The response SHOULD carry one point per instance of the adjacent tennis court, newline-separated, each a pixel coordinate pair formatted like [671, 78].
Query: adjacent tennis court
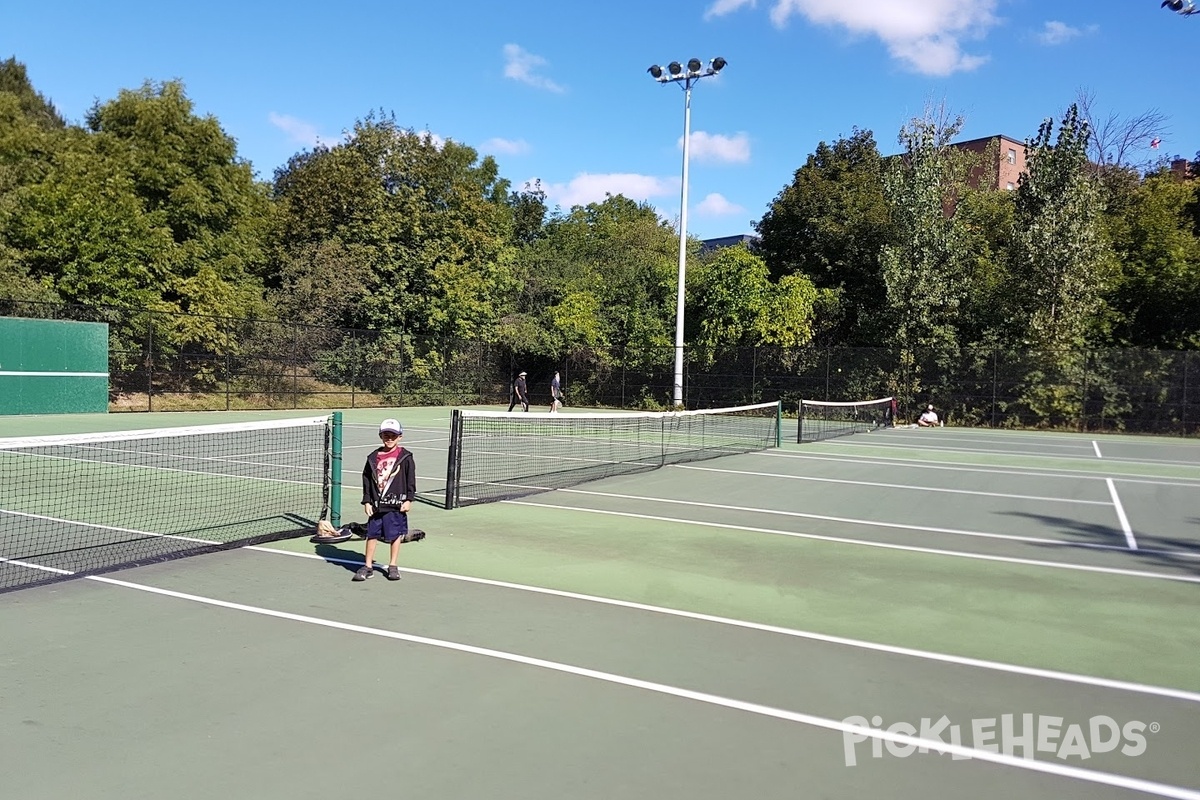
[895, 614]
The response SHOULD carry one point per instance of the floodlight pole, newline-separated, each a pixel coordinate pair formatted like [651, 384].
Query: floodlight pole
[683, 203]
[685, 76]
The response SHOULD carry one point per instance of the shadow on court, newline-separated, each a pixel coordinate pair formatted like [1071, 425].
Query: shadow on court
[1180, 555]
[349, 560]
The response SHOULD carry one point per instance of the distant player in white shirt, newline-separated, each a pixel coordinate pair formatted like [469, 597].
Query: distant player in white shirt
[929, 419]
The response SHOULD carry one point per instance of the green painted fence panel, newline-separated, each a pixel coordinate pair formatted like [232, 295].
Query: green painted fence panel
[53, 366]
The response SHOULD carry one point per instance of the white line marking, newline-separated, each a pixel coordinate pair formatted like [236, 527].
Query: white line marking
[8, 373]
[1129, 573]
[1016, 762]
[1129, 540]
[905, 487]
[998, 666]
[1045, 472]
[1010, 537]
[1096, 447]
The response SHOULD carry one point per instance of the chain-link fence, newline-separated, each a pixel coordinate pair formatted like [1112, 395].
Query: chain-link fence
[167, 361]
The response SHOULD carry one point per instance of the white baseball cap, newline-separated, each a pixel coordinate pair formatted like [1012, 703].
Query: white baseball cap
[391, 425]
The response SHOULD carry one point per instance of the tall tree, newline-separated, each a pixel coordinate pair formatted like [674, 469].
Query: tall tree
[925, 268]
[33, 104]
[830, 224]
[1061, 258]
[425, 224]
[186, 175]
[1157, 297]
[735, 304]
[602, 277]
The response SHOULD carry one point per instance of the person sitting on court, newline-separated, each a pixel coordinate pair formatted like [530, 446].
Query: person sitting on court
[389, 485]
[929, 419]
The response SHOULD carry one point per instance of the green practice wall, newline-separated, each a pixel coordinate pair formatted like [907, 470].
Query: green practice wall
[53, 366]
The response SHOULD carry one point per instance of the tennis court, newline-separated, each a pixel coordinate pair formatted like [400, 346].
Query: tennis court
[896, 614]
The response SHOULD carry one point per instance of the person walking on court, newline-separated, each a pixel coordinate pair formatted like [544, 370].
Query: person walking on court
[389, 484]
[555, 394]
[520, 393]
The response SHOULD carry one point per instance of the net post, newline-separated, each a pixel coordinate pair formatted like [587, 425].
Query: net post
[800, 423]
[779, 423]
[454, 459]
[335, 469]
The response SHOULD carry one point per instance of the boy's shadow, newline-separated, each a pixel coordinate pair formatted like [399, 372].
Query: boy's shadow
[339, 555]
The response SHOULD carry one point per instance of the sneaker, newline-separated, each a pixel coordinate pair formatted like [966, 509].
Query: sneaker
[363, 573]
[393, 573]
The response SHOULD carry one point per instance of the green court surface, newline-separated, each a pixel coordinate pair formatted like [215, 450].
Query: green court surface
[809, 621]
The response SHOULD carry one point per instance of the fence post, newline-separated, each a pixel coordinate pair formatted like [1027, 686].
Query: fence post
[995, 379]
[150, 365]
[228, 367]
[1083, 395]
[295, 366]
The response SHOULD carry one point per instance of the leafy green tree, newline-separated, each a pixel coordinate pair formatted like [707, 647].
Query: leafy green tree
[602, 278]
[1157, 297]
[425, 224]
[1060, 253]
[830, 224]
[185, 173]
[988, 312]
[737, 305]
[924, 269]
[529, 213]
[34, 107]
[31, 131]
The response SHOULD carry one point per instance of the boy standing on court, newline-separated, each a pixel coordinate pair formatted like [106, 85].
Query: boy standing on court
[389, 484]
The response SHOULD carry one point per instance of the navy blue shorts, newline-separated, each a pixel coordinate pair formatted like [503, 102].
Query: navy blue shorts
[388, 526]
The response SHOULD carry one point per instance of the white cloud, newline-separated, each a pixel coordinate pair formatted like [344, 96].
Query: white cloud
[1054, 32]
[722, 7]
[505, 147]
[715, 205]
[717, 148]
[523, 66]
[588, 188]
[298, 130]
[926, 35]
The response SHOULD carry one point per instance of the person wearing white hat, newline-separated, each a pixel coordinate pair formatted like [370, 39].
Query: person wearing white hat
[389, 484]
[929, 419]
[520, 393]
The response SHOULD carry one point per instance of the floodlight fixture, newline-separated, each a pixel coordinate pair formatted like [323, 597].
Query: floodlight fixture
[655, 72]
[694, 66]
[674, 68]
[718, 64]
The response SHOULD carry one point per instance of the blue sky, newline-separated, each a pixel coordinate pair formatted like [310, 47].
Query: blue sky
[558, 90]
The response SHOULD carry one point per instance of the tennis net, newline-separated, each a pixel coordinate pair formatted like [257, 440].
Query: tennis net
[496, 455]
[823, 420]
[82, 504]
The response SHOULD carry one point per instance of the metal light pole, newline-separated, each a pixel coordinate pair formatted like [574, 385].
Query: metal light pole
[685, 76]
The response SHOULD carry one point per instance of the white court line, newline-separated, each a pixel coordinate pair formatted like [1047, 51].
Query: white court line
[1045, 767]
[905, 487]
[1129, 540]
[860, 644]
[1096, 447]
[842, 443]
[966, 466]
[1129, 573]
[890, 525]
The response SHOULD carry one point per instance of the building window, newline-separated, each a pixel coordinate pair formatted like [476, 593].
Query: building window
[1009, 186]
[1012, 156]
